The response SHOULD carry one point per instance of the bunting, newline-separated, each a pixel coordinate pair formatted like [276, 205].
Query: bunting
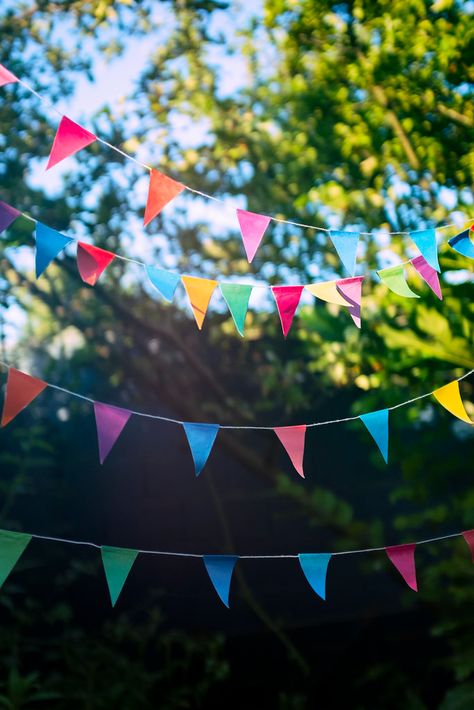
[8, 215]
[237, 297]
[287, 299]
[315, 569]
[21, 390]
[117, 562]
[252, 227]
[449, 397]
[165, 282]
[201, 438]
[199, 292]
[49, 244]
[428, 274]
[92, 262]
[220, 569]
[377, 425]
[425, 240]
[293, 438]
[394, 278]
[12, 546]
[403, 559]
[161, 190]
[345, 243]
[69, 139]
[463, 244]
[110, 422]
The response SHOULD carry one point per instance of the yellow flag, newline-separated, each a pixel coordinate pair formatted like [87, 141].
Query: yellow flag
[327, 291]
[199, 293]
[450, 397]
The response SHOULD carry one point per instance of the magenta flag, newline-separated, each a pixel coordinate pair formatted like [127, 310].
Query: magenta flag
[252, 226]
[70, 137]
[292, 438]
[287, 299]
[109, 421]
[428, 274]
[6, 77]
[403, 558]
[468, 535]
[351, 290]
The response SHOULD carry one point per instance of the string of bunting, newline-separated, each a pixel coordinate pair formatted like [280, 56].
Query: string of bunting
[118, 561]
[23, 388]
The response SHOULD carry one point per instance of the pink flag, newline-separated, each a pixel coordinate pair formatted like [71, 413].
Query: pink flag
[287, 299]
[6, 77]
[469, 538]
[92, 261]
[252, 226]
[69, 138]
[403, 557]
[428, 274]
[351, 289]
[109, 421]
[292, 438]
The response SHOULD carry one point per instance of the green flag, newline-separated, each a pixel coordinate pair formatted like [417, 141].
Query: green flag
[117, 563]
[12, 545]
[394, 278]
[237, 298]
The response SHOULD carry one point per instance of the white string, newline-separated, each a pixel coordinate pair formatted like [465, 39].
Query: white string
[234, 426]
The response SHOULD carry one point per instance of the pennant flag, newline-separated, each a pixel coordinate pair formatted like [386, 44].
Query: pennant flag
[449, 397]
[287, 299]
[315, 569]
[6, 77]
[220, 569]
[21, 390]
[403, 558]
[425, 240]
[161, 190]
[164, 281]
[463, 244]
[109, 421]
[92, 262]
[394, 278]
[49, 243]
[201, 439]
[252, 226]
[428, 274]
[237, 298]
[377, 424]
[12, 546]
[351, 289]
[345, 244]
[292, 438]
[69, 139]
[468, 535]
[117, 563]
[8, 215]
[199, 293]
[327, 291]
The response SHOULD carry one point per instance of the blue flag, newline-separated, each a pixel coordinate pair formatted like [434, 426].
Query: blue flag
[462, 244]
[345, 244]
[220, 569]
[315, 569]
[49, 243]
[201, 439]
[425, 240]
[164, 281]
[377, 424]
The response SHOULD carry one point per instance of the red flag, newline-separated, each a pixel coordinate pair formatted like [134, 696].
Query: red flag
[292, 438]
[6, 77]
[403, 557]
[70, 137]
[287, 299]
[469, 538]
[161, 190]
[92, 261]
[21, 390]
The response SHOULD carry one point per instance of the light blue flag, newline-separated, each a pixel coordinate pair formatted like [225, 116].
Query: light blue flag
[49, 243]
[164, 281]
[315, 569]
[201, 439]
[377, 424]
[425, 240]
[345, 244]
[220, 569]
[462, 244]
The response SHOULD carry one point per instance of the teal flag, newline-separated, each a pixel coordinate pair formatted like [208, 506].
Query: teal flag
[12, 545]
[237, 298]
[117, 563]
[377, 424]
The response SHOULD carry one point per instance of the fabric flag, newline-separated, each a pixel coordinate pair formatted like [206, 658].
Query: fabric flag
[6, 77]
[237, 298]
[109, 421]
[449, 397]
[345, 244]
[428, 274]
[161, 190]
[287, 299]
[12, 546]
[463, 244]
[315, 569]
[394, 278]
[327, 291]
[403, 558]
[21, 390]
[425, 240]
[49, 243]
[252, 226]
[8, 215]
[117, 563]
[199, 293]
[377, 424]
[92, 262]
[69, 139]
[292, 438]
[164, 281]
[351, 289]
[220, 569]
[201, 438]
[468, 535]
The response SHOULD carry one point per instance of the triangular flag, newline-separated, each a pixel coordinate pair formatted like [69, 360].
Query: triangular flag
[449, 397]
[377, 424]
[199, 293]
[70, 137]
[164, 281]
[428, 274]
[463, 244]
[394, 278]
[161, 190]
[425, 240]
[237, 298]
[403, 558]
[12, 546]
[351, 289]
[201, 439]
[49, 243]
[21, 390]
[8, 214]
[252, 226]
[109, 421]
[220, 569]
[468, 535]
[287, 299]
[117, 563]
[315, 569]
[6, 77]
[292, 438]
[345, 244]
[92, 262]
[327, 291]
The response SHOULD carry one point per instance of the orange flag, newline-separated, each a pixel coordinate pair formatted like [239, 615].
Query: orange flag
[161, 190]
[199, 293]
[21, 390]
[450, 398]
